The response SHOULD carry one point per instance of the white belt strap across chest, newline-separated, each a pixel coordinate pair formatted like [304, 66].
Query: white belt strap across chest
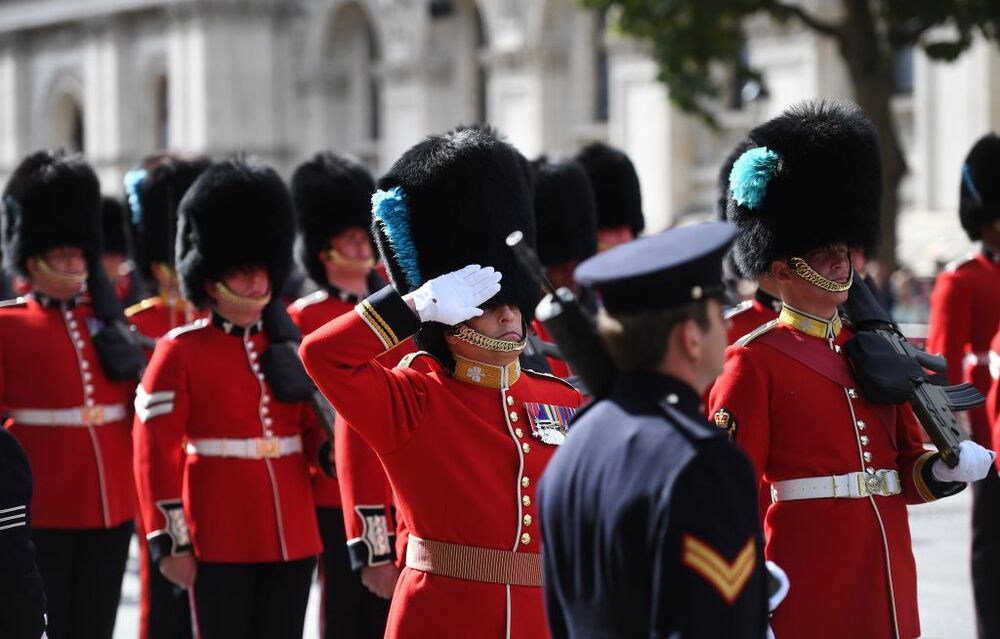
[881, 483]
[251, 448]
[81, 416]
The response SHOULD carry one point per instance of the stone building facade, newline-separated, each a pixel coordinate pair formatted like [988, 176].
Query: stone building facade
[284, 78]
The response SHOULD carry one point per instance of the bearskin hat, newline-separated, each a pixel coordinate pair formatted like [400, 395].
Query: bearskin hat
[565, 212]
[722, 201]
[113, 227]
[331, 194]
[451, 201]
[52, 199]
[154, 190]
[979, 193]
[616, 187]
[236, 213]
[812, 177]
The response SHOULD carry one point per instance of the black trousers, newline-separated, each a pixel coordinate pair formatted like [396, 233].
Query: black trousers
[251, 601]
[986, 554]
[350, 611]
[169, 613]
[82, 572]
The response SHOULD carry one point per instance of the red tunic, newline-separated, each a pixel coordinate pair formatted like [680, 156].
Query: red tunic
[361, 489]
[965, 311]
[460, 454]
[849, 561]
[83, 473]
[204, 382]
[154, 316]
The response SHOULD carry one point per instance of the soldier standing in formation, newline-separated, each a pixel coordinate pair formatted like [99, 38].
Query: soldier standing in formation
[221, 442]
[965, 313]
[649, 512]
[465, 434]
[332, 197]
[154, 191]
[842, 469]
[63, 392]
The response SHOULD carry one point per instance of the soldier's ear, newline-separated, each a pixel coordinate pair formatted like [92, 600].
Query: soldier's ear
[781, 271]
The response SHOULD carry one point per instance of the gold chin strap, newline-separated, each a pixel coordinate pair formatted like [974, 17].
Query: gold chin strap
[241, 300]
[806, 272]
[471, 336]
[73, 278]
[342, 260]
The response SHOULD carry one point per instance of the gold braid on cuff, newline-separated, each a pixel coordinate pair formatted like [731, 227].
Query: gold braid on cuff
[74, 278]
[806, 272]
[471, 336]
[241, 300]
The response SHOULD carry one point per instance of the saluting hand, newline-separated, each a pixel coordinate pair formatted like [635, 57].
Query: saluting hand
[455, 297]
[180, 570]
[974, 462]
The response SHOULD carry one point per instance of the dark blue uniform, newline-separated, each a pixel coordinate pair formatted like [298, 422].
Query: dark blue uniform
[650, 522]
[22, 599]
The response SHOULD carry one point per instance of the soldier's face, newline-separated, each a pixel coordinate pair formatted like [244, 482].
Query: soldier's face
[350, 253]
[60, 275]
[248, 281]
[609, 238]
[502, 322]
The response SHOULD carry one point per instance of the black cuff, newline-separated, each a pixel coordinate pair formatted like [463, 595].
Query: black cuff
[174, 538]
[939, 488]
[388, 316]
[323, 459]
[377, 545]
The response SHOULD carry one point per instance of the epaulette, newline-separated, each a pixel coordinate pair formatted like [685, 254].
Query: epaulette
[954, 265]
[14, 302]
[407, 360]
[736, 310]
[540, 374]
[187, 328]
[138, 307]
[313, 298]
[690, 428]
[755, 333]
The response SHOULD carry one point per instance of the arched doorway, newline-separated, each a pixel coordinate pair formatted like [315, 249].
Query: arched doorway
[67, 123]
[457, 45]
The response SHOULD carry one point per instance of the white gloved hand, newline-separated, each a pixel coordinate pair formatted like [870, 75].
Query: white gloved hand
[974, 462]
[455, 297]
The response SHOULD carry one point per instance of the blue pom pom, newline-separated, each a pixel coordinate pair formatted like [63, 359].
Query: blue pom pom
[133, 180]
[393, 214]
[750, 175]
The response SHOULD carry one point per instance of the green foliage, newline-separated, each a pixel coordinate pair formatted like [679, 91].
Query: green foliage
[692, 39]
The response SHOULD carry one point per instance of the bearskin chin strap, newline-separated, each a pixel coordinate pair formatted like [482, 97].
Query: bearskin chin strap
[806, 272]
[470, 335]
[255, 303]
[73, 278]
[349, 262]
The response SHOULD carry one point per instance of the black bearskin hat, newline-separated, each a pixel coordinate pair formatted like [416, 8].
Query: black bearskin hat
[331, 194]
[236, 213]
[616, 187]
[565, 212]
[979, 193]
[52, 199]
[812, 177]
[722, 200]
[113, 229]
[154, 190]
[451, 201]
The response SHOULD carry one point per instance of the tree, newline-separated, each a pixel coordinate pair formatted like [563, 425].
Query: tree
[691, 39]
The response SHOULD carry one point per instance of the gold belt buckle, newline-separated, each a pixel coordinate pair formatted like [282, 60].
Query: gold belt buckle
[869, 484]
[92, 415]
[268, 447]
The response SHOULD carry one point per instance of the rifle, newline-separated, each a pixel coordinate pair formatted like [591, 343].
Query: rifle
[570, 326]
[890, 370]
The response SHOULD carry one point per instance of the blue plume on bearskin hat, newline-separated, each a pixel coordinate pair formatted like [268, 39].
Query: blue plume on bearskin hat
[979, 192]
[52, 199]
[616, 187]
[565, 212]
[331, 194]
[236, 213]
[811, 178]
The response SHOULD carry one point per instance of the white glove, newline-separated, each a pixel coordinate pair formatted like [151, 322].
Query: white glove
[974, 462]
[455, 297]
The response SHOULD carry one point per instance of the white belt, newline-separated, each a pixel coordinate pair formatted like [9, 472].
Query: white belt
[977, 359]
[82, 416]
[883, 483]
[994, 359]
[252, 448]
